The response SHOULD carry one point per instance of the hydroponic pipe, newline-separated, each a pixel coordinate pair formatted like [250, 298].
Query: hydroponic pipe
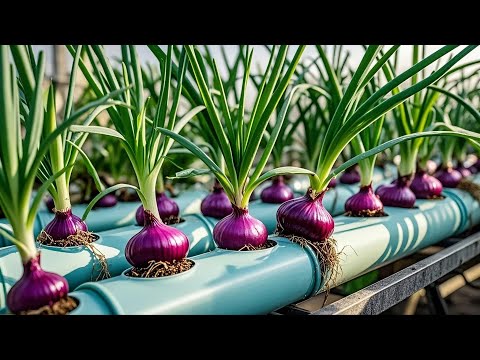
[222, 281]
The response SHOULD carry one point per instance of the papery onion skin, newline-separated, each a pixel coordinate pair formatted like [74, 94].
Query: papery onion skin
[156, 241]
[277, 193]
[216, 204]
[397, 194]
[350, 176]
[167, 208]
[425, 186]
[239, 229]
[36, 288]
[305, 217]
[364, 203]
[108, 200]
[64, 224]
[450, 178]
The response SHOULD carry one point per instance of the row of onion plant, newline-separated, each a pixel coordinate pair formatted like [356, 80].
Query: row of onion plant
[30, 133]
[66, 229]
[156, 243]
[216, 204]
[279, 191]
[239, 136]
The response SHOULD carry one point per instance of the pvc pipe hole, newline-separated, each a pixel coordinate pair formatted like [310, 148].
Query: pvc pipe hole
[189, 271]
[78, 247]
[247, 251]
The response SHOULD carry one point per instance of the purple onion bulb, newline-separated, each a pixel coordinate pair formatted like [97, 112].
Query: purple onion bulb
[364, 203]
[350, 176]
[167, 208]
[450, 178]
[277, 193]
[156, 241]
[216, 204]
[239, 229]
[397, 194]
[108, 200]
[305, 217]
[36, 288]
[64, 224]
[425, 186]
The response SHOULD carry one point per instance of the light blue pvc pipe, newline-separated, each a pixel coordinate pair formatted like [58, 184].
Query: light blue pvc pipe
[380, 174]
[334, 200]
[266, 213]
[76, 263]
[471, 208]
[390, 171]
[228, 282]
[189, 201]
[122, 214]
[368, 243]
[221, 282]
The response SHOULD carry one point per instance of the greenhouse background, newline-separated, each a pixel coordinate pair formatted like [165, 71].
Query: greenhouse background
[252, 180]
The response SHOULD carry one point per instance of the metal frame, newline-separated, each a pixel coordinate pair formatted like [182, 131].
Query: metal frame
[384, 294]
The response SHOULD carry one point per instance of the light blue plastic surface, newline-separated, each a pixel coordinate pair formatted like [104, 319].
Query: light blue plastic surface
[471, 208]
[368, 243]
[334, 199]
